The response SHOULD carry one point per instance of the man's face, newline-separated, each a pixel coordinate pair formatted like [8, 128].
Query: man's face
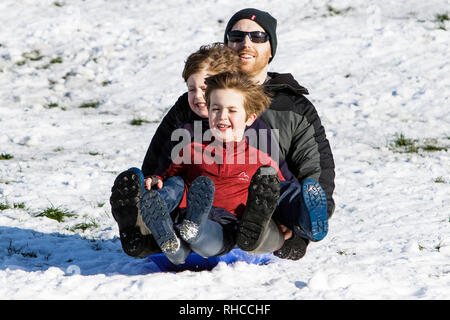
[254, 56]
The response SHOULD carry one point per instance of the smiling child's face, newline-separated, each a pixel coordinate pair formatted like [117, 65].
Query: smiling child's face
[227, 116]
[196, 93]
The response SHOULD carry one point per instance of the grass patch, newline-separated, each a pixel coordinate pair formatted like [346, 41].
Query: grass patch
[56, 60]
[34, 55]
[138, 122]
[55, 214]
[19, 205]
[439, 180]
[441, 19]
[88, 105]
[52, 61]
[332, 11]
[402, 144]
[5, 206]
[401, 141]
[431, 148]
[54, 105]
[106, 83]
[84, 226]
[6, 156]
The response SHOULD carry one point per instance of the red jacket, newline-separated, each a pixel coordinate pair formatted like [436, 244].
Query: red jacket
[230, 171]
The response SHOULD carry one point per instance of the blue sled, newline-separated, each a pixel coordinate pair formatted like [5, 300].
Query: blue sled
[195, 262]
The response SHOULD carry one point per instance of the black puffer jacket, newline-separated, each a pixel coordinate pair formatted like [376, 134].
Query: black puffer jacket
[302, 139]
[157, 159]
[303, 143]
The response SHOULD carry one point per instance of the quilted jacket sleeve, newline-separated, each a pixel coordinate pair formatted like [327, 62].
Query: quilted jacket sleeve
[157, 158]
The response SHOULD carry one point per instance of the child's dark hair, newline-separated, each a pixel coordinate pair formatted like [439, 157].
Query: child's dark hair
[216, 58]
[255, 99]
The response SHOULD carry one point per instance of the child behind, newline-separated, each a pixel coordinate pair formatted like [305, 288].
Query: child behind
[217, 189]
[206, 61]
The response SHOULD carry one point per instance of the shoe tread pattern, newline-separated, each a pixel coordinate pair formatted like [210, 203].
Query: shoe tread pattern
[157, 218]
[316, 204]
[263, 194]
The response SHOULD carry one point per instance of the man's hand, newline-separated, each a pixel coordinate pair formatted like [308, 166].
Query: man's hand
[287, 233]
[152, 181]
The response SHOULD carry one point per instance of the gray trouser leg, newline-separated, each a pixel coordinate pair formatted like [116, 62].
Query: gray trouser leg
[272, 239]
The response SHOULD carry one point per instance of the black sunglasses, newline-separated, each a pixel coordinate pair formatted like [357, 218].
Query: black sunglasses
[255, 36]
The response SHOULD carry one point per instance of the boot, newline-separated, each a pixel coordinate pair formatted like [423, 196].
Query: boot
[200, 198]
[263, 194]
[303, 209]
[125, 197]
[157, 218]
[315, 204]
[272, 239]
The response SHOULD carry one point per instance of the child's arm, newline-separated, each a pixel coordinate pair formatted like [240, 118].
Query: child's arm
[175, 169]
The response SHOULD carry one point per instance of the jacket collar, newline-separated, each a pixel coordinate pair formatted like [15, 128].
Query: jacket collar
[284, 82]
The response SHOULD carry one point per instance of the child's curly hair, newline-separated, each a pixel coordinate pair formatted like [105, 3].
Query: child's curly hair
[216, 58]
[255, 99]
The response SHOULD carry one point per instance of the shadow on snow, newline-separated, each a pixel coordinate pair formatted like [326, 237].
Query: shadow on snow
[33, 251]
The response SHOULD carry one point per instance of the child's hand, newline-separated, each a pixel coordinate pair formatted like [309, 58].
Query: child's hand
[151, 181]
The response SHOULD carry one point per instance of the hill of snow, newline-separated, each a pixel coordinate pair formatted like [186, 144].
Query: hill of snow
[75, 74]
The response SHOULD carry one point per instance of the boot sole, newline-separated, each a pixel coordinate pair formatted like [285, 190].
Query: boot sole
[263, 194]
[200, 198]
[157, 218]
[125, 196]
[316, 204]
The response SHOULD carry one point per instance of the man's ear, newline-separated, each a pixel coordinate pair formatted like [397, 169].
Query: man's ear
[251, 118]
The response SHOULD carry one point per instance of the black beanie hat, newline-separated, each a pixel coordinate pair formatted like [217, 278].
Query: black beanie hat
[264, 19]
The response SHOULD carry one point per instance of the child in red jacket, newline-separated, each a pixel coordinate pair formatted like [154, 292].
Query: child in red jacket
[217, 176]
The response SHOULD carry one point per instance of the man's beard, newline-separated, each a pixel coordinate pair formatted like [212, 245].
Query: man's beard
[257, 66]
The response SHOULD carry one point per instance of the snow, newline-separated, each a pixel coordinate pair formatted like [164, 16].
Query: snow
[374, 71]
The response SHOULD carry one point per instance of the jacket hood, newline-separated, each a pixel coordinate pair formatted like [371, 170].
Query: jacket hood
[284, 81]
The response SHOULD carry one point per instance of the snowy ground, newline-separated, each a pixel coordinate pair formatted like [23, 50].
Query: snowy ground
[374, 70]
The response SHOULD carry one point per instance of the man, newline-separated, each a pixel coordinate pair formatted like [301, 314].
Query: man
[302, 140]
